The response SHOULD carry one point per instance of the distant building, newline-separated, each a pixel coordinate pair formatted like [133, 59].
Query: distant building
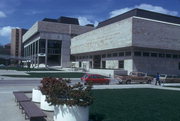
[47, 42]
[16, 42]
[4, 53]
[137, 40]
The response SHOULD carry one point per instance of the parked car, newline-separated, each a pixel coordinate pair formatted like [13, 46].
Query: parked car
[95, 79]
[134, 77]
[172, 79]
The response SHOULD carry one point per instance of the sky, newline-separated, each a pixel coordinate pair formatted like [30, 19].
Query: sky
[24, 13]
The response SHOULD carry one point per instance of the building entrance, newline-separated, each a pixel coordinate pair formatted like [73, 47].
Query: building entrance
[97, 61]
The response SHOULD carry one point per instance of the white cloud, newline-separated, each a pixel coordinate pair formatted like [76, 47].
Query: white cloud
[5, 34]
[149, 7]
[119, 11]
[5, 31]
[2, 14]
[84, 21]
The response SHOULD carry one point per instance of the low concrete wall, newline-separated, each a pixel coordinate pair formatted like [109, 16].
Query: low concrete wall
[109, 73]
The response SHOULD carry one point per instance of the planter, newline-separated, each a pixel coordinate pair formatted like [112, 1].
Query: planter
[71, 113]
[36, 95]
[44, 105]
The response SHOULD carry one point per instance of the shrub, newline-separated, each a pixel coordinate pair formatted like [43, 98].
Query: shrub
[60, 92]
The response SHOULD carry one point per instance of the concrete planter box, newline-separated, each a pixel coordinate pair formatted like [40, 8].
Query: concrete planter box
[36, 95]
[71, 113]
[44, 105]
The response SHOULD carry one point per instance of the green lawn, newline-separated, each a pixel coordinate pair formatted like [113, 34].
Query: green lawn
[57, 75]
[135, 105]
[26, 69]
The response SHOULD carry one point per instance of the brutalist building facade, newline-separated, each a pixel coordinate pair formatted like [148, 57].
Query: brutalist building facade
[138, 40]
[47, 42]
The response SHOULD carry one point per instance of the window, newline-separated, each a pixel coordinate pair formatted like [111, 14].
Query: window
[137, 53]
[128, 53]
[179, 65]
[114, 54]
[153, 54]
[103, 64]
[168, 55]
[79, 64]
[108, 55]
[90, 56]
[145, 54]
[161, 55]
[121, 54]
[175, 56]
[121, 64]
[104, 55]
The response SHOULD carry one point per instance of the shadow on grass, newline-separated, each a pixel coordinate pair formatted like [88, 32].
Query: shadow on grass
[97, 117]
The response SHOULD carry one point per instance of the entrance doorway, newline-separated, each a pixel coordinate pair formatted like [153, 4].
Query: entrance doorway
[121, 64]
[103, 64]
[97, 61]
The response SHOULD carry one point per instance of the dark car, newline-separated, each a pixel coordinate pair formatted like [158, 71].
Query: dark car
[95, 79]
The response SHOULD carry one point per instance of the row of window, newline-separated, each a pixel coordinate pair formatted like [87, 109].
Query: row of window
[136, 53]
[153, 54]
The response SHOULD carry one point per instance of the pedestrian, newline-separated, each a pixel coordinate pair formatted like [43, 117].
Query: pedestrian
[158, 79]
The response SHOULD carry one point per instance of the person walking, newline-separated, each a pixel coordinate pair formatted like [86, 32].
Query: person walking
[158, 79]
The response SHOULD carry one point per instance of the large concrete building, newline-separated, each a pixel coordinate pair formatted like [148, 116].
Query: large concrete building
[138, 40]
[47, 42]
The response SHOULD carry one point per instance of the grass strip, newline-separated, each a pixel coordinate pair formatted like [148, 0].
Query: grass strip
[135, 105]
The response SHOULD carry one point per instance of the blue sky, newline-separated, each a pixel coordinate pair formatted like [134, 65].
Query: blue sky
[24, 13]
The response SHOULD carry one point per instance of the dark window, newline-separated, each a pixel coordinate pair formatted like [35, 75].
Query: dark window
[161, 55]
[121, 54]
[90, 56]
[80, 57]
[153, 54]
[179, 65]
[90, 66]
[168, 55]
[104, 55]
[137, 53]
[114, 54]
[121, 64]
[145, 54]
[128, 53]
[108, 55]
[79, 64]
[175, 56]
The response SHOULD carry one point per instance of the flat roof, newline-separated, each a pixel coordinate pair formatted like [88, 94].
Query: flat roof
[141, 13]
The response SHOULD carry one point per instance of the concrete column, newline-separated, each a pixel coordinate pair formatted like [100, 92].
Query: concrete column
[46, 52]
[35, 53]
[38, 53]
[65, 52]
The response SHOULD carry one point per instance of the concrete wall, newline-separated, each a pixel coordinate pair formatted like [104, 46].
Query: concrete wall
[44, 26]
[53, 27]
[153, 65]
[30, 32]
[112, 36]
[112, 64]
[154, 34]
[128, 65]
